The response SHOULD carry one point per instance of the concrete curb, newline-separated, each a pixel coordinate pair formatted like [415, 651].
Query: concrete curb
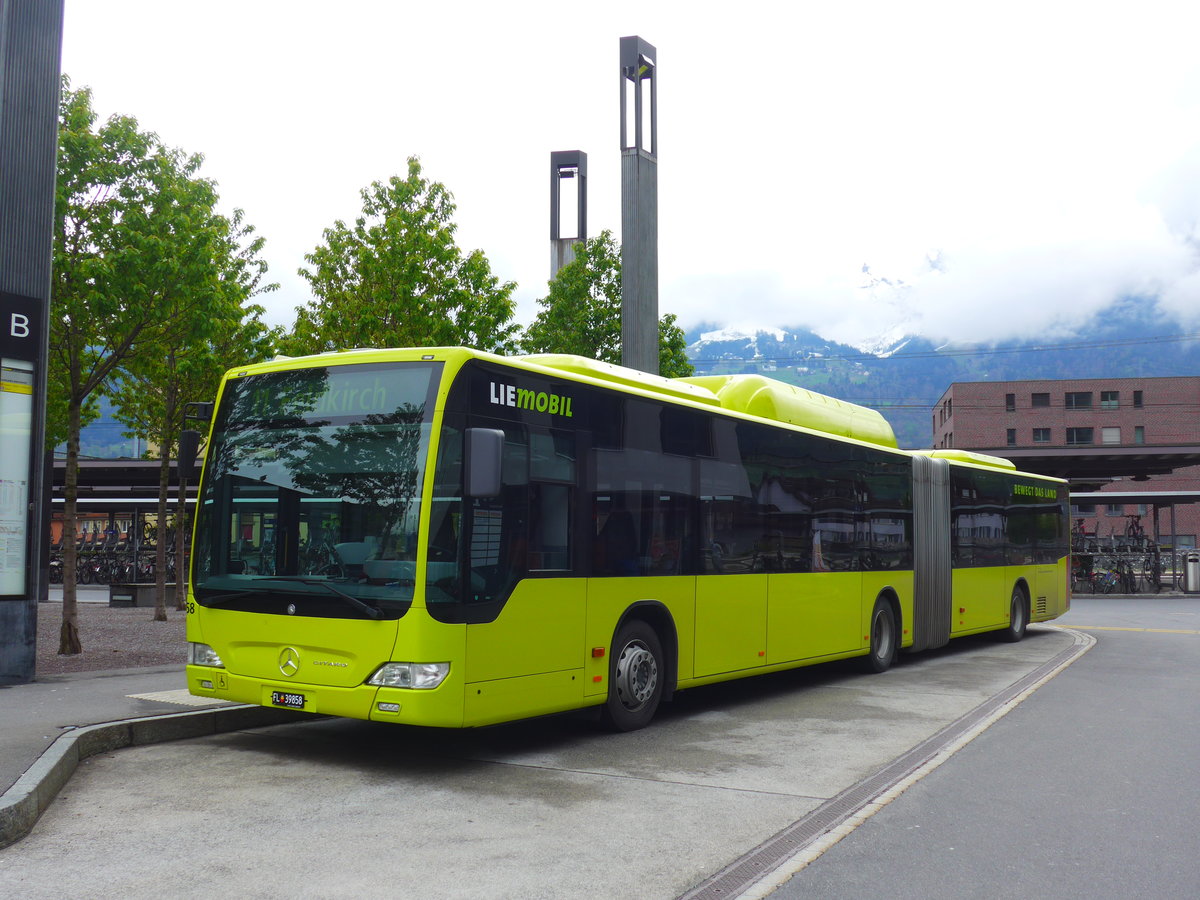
[34, 791]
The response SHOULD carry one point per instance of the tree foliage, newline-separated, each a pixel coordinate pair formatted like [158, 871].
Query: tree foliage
[672, 349]
[396, 278]
[582, 312]
[142, 261]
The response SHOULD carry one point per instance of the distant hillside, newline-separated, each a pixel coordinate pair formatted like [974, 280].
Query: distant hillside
[905, 379]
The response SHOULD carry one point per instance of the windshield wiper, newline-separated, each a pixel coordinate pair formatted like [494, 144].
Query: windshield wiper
[365, 608]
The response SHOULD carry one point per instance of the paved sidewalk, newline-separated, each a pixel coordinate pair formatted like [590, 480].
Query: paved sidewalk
[48, 726]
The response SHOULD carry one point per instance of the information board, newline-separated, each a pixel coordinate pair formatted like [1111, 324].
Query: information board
[16, 424]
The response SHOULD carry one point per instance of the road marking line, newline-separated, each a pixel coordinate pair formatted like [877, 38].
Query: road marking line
[1118, 628]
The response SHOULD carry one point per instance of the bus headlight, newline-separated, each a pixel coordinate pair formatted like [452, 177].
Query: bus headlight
[419, 676]
[203, 655]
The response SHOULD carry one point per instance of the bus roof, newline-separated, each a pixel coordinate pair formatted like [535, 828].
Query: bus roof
[753, 395]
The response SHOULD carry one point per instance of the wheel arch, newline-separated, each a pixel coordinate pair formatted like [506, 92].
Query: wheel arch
[892, 596]
[1020, 595]
[1022, 585]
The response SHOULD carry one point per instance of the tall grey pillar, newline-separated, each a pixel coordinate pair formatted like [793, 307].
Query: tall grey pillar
[639, 206]
[30, 53]
[566, 164]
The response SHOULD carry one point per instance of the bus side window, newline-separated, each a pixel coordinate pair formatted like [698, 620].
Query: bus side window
[616, 544]
[549, 528]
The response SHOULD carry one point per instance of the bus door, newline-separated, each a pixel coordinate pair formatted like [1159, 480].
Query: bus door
[731, 595]
[520, 560]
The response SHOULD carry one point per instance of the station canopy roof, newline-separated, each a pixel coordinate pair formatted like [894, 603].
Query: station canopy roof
[109, 480]
[1089, 467]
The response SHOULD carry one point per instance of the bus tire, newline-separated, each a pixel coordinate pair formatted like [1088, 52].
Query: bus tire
[1018, 617]
[635, 677]
[884, 637]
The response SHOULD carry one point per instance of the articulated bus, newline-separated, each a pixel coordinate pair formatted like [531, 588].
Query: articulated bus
[445, 537]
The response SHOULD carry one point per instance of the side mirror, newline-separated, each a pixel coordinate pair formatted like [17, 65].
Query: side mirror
[199, 411]
[189, 447]
[483, 455]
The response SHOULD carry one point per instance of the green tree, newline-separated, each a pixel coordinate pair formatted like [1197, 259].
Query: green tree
[582, 312]
[137, 243]
[396, 278]
[672, 349]
[152, 389]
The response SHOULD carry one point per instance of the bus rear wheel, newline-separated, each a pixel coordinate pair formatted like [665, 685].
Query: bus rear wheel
[1018, 617]
[883, 637]
[635, 677]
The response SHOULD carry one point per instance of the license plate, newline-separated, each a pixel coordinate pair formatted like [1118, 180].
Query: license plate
[287, 699]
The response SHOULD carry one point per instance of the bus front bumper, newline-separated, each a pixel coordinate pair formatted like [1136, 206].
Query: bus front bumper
[441, 707]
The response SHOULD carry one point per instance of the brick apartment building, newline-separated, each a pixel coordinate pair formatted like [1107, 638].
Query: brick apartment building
[1107, 435]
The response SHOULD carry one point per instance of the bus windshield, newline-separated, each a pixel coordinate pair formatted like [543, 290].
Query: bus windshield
[311, 495]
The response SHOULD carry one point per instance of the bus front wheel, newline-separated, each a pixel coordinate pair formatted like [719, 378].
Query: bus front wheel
[635, 677]
[883, 637]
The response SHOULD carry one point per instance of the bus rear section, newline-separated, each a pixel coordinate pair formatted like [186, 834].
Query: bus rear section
[991, 547]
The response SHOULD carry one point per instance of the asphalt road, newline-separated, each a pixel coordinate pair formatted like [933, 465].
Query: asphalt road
[1090, 788]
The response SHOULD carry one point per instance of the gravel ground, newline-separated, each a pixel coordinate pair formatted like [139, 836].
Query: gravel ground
[112, 638]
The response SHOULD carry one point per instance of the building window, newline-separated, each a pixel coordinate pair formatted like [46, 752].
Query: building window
[1079, 400]
[1114, 509]
[1139, 434]
[1110, 399]
[1083, 509]
[1137, 399]
[1036, 400]
[1110, 435]
[1010, 402]
[1012, 437]
[1078, 436]
[1041, 435]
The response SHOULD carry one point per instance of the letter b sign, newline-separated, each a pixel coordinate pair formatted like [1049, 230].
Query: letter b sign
[20, 319]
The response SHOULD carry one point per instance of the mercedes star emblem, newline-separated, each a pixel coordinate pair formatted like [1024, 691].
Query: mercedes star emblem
[289, 661]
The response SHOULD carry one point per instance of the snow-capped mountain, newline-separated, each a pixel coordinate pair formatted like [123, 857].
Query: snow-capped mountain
[903, 374]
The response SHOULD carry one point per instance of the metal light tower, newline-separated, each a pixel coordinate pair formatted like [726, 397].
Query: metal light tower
[566, 164]
[639, 206]
[30, 51]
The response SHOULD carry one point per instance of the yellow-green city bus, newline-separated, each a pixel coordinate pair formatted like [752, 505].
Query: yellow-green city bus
[444, 537]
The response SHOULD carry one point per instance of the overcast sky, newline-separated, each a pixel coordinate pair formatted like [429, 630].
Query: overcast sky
[1017, 166]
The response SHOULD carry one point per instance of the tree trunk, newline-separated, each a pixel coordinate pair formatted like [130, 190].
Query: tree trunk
[68, 637]
[160, 543]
